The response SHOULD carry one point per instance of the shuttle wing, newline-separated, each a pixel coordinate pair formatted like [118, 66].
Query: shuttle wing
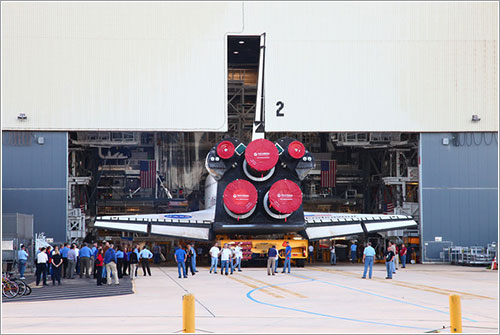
[325, 225]
[190, 225]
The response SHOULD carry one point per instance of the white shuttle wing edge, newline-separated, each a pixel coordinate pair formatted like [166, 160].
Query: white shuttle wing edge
[190, 225]
[326, 225]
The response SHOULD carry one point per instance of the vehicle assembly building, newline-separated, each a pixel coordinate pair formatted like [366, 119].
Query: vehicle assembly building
[112, 108]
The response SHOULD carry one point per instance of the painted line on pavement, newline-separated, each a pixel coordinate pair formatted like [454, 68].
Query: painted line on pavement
[380, 296]
[414, 286]
[276, 287]
[249, 296]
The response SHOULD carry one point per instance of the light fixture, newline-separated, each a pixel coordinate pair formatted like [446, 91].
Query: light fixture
[475, 117]
[236, 52]
[241, 42]
[22, 116]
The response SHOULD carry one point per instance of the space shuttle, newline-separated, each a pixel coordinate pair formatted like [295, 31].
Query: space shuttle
[255, 190]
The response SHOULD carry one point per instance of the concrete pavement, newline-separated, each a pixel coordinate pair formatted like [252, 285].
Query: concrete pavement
[314, 299]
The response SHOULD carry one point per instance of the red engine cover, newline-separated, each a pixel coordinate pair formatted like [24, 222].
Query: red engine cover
[261, 155]
[225, 149]
[285, 196]
[240, 196]
[296, 149]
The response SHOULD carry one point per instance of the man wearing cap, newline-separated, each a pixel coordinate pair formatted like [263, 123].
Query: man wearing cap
[22, 257]
[288, 257]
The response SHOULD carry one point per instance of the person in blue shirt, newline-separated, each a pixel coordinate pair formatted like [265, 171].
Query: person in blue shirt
[110, 263]
[180, 258]
[353, 252]
[145, 255]
[137, 252]
[288, 257]
[85, 254]
[120, 259]
[368, 257]
[22, 257]
[64, 253]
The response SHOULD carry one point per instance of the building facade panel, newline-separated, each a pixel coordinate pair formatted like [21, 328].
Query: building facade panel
[108, 66]
[459, 189]
[34, 177]
[357, 66]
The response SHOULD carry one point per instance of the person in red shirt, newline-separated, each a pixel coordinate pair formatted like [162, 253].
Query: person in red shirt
[403, 255]
[98, 265]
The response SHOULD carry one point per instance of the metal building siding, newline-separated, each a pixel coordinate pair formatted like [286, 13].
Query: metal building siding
[392, 66]
[116, 66]
[34, 178]
[459, 188]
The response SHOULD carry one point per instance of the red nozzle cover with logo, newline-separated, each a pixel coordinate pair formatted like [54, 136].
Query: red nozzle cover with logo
[296, 149]
[285, 196]
[261, 155]
[240, 196]
[225, 149]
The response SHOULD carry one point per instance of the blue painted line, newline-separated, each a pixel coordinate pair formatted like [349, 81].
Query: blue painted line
[383, 297]
[249, 296]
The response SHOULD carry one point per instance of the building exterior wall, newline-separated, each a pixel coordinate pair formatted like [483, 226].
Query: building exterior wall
[459, 188]
[34, 178]
[116, 66]
[379, 66]
[335, 66]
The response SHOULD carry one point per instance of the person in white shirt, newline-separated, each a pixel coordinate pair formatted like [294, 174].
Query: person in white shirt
[41, 266]
[333, 255]
[311, 253]
[239, 255]
[225, 255]
[214, 254]
[77, 265]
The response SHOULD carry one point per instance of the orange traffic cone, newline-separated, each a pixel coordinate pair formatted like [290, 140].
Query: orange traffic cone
[494, 265]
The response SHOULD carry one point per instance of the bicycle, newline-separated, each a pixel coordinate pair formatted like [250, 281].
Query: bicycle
[10, 289]
[9, 284]
[24, 289]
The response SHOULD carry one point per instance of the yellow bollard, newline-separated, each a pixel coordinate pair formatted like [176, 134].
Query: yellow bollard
[455, 314]
[188, 313]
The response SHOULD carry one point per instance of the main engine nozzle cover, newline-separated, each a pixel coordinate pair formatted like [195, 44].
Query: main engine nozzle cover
[240, 196]
[261, 155]
[285, 196]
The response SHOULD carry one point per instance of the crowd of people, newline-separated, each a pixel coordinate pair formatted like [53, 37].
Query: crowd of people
[391, 257]
[105, 262]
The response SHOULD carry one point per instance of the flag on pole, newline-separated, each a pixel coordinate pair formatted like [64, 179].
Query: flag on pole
[389, 208]
[328, 173]
[148, 174]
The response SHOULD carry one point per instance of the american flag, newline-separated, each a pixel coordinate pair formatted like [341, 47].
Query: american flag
[148, 174]
[389, 208]
[328, 173]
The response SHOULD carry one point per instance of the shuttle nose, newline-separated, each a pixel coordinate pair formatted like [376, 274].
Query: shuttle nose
[240, 198]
